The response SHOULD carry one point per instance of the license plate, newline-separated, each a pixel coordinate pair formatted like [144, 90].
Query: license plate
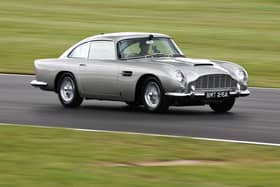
[220, 94]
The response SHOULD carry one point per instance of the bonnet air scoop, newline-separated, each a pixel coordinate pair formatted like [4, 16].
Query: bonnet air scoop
[196, 62]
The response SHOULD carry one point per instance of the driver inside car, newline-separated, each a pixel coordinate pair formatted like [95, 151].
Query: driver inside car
[144, 48]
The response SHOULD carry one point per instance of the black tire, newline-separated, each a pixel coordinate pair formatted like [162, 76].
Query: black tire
[162, 104]
[222, 106]
[75, 100]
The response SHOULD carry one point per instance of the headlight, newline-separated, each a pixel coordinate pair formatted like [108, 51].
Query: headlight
[242, 75]
[179, 76]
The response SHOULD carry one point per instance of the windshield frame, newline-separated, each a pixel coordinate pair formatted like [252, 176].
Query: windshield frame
[172, 42]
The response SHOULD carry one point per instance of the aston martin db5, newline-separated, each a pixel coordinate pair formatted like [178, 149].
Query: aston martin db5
[141, 69]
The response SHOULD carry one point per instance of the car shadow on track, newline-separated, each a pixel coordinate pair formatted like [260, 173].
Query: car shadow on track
[173, 111]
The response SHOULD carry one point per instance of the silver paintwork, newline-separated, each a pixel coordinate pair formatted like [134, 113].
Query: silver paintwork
[105, 79]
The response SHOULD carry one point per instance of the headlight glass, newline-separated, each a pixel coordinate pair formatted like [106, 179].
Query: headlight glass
[180, 76]
[242, 75]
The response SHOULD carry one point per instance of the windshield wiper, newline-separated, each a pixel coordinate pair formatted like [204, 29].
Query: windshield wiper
[154, 55]
[163, 55]
[157, 55]
[178, 55]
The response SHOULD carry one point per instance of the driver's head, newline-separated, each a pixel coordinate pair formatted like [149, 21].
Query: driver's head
[144, 48]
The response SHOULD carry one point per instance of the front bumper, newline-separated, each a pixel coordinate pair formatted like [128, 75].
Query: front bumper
[237, 93]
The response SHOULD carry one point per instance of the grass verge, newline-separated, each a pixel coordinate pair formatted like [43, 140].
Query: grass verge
[245, 32]
[43, 157]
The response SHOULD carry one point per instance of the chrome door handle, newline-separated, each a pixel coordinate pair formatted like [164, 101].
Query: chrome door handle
[83, 65]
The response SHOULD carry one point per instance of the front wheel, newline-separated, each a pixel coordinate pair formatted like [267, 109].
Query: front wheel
[153, 96]
[222, 106]
[68, 93]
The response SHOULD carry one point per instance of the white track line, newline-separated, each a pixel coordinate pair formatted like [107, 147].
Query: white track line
[151, 134]
[263, 88]
[236, 141]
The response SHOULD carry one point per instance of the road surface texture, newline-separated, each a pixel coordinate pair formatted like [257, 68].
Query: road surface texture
[254, 118]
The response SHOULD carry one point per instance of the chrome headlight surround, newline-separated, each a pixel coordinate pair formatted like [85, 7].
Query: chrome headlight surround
[242, 75]
[180, 77]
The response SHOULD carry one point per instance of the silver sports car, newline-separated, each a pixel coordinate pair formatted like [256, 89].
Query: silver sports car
[140, 69]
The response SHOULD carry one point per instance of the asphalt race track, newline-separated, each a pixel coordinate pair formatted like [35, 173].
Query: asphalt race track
[254, 118]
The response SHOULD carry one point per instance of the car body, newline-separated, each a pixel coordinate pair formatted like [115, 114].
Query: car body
[112, 67]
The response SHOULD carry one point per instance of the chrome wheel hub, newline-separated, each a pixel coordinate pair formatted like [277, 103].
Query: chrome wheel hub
[152, 95]
[67, 90]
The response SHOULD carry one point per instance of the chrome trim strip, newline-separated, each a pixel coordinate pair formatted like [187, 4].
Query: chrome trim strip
[198, 94]
[245, 93]
[36, 83]
[177, 94]
[240, 92]
[236, 93]
[233, 93]
[184, 94]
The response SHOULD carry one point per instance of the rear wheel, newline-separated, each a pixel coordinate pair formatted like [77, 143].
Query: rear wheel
[153, 96]
[68, 92]
[222, 106]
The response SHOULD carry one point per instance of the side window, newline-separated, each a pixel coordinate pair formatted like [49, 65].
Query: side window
[102, 50]
[80, 52]
[132, 50]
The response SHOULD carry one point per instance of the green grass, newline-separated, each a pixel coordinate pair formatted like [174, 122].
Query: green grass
[44, 157]
[242, 31]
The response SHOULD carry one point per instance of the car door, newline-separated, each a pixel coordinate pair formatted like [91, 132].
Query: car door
[99, 74]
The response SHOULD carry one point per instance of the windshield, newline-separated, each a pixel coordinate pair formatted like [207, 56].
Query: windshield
[147, 47]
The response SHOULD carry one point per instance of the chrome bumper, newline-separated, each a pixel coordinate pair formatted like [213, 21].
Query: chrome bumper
[39, 84]
[238, 93]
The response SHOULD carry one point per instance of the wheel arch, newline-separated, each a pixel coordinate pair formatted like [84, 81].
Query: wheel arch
[139, 85]
[59, 75]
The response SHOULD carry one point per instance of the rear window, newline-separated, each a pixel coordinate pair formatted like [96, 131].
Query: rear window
[81, 51]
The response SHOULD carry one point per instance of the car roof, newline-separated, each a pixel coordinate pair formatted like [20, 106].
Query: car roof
[114, 37]
[124, 35]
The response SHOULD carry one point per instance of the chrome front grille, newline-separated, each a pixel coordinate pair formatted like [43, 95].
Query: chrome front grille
[214, 82]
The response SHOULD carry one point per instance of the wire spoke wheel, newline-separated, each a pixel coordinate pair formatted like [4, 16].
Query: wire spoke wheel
[67, 90]
[68, 93]
[152, 95]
